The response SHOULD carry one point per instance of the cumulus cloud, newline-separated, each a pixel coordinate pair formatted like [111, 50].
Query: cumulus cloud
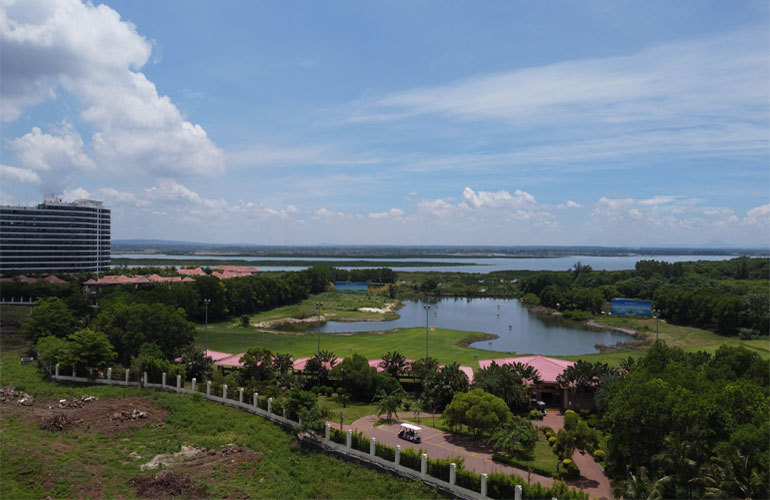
[497, 199]
[89, 52]
[54, 155]
[9, 173]
[759, 216]
[393, 213]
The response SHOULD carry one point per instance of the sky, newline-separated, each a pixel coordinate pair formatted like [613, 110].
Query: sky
[622, 123]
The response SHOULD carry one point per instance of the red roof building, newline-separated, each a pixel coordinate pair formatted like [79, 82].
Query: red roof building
[548, 389]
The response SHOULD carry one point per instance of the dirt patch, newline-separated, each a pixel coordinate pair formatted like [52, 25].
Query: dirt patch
[108, 416]
[204, 465]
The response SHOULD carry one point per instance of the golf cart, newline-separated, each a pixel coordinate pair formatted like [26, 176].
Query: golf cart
[540, 406]
[410, 433]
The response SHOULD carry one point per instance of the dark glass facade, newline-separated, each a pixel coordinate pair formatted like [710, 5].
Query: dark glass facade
[55, 237]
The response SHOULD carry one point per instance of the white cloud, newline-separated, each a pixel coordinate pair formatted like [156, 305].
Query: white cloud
[442, 207]
[91, 53]
[76, 194]
[393, 213]
[658, 200]
[497, 199]
[759, 216]
[569, 204]
[17, 174]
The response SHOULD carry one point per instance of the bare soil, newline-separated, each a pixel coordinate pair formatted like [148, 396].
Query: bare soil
[108, 416]
[204, 465]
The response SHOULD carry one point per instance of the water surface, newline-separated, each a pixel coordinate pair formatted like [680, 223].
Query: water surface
[518, 330]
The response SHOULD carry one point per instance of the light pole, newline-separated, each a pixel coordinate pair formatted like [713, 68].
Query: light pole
[657, 315]
[318, 306]
[207, 301]
[427, 311]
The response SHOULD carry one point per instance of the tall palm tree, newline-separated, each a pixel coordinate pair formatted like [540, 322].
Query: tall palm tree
[676, 462]
[638, 487]
[394, 363]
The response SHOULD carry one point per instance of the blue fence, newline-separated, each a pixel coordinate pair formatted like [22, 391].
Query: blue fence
[631, 307]
[350, 287]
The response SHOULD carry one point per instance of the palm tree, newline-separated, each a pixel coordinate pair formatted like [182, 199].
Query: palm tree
[515, 436]
[394, 363]
[638, 487]
[388, 403]
[733, 477]
[675, 460]
[283, 362]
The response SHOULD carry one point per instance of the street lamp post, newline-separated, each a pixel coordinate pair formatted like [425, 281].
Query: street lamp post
[657, 315]
[207, 301]
[427, 311]
[318, 306]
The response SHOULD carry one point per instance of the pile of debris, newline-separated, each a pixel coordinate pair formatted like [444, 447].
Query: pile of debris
[10, 393]
[57, 423]
[125, 415]
[162, 485]
[76, 402]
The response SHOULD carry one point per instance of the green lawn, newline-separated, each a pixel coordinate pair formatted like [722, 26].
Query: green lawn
[350, 414]
[443, 344]
[542, 456]
[38, 463]
[336, 306]
[688, 338]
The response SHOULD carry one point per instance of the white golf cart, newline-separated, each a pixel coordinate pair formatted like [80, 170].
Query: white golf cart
[410, 433]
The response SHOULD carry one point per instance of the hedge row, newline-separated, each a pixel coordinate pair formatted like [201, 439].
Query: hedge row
[503, 459]
[499, 485]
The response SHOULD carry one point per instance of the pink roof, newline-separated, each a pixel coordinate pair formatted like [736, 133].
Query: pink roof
[54, 279]
[549, 368]
[301, 363]
[192, 272]
[25, 279]
[216, 355]
[233, 361]
[377, 363]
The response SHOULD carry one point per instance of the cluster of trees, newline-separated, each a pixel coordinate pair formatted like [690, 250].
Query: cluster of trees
[689, 425]
[729, 297]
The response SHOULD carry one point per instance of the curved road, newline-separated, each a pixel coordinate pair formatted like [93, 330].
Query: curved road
[478, 456]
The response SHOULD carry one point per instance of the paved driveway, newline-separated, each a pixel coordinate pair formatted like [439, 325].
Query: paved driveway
[478, 456]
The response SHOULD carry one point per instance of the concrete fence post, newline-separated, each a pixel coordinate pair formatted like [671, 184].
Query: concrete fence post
[146, 380]
[327, 432]
[255, 401]
[240, 395]
[57, 370]
[397, 460]
[270, 405]
[452, 475]
[300, 421]
[483, 486]
[224, 391]
[284, 412]
[163, 380]
[208, 388]
[74, 373]
[424, 465]
[194, 383]
[372, 446]
[349, 439]
[126, 375]
[517, 492]
[109, 374]
[178, 382]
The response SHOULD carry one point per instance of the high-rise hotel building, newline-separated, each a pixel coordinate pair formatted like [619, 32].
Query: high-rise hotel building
[55, 236]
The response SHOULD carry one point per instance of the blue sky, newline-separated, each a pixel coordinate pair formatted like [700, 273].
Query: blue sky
[498, 123]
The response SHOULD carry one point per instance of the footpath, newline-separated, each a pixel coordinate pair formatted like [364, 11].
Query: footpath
[478, 456]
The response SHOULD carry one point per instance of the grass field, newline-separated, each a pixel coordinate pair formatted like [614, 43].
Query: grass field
[350, 414]
[336, 306]
[83, 462]
[443, 344]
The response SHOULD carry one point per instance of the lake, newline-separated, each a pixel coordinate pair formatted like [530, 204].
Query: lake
[518, 330]
[482, 264]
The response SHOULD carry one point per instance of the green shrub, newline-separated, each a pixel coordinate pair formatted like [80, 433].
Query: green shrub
[315, 389]
[593, 421]
[552, 440]
[568, 469]
[411, 458]
[599, 455]
[439, 468]
[360, 442]
[503, 459]
[535, 415]
[337, 436]
[570, 419]
[385, 451]
[546, 429]
[468, 480]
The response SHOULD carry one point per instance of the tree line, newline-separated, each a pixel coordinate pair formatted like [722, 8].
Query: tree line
[729, 297]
